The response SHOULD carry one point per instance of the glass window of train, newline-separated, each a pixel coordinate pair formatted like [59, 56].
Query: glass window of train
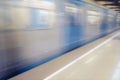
[93, 18]
[6, 17]
[81, 13]
[2, 17]
[47, 4]
[43, 19]
[72, 13]
[110, 19]
[36, 0]
[71, 8]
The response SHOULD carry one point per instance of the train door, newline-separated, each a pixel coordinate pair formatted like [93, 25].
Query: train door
[115, 22]
[110, 22]
[104, 25]
[93, 21]
[73, 28]
[118, 22]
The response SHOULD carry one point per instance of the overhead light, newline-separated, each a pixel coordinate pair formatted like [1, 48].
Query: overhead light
[103, 2]
[111, 6]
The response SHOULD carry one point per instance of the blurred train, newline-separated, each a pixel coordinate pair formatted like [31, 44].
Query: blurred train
[33, 32]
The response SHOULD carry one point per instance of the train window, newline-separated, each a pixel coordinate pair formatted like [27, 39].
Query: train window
[110, 18]
[71, 9]
[34, 16]
[35, 0]
[72, 14]
[41, 4]
[118, 20]
[42, 19]
[5, 18]
[93, 17]
[1, 17]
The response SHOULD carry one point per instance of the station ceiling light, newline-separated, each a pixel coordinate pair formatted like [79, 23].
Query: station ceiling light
[111, 4]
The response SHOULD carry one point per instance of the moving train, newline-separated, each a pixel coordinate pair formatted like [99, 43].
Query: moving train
[33, 32]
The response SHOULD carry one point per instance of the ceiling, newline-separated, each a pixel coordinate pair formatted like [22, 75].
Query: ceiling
[111, 4]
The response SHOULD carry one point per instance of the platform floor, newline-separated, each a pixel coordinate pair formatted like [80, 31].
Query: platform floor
[101, 64]
[99, 60]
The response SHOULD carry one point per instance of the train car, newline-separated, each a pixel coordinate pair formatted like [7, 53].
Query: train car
[33, 32]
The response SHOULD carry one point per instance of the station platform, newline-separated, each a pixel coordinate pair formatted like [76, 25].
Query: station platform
[99, 60]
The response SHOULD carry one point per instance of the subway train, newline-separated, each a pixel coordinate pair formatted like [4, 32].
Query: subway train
[33, 32]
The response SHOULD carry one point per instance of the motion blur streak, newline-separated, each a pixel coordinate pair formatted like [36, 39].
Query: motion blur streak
[33, 32]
